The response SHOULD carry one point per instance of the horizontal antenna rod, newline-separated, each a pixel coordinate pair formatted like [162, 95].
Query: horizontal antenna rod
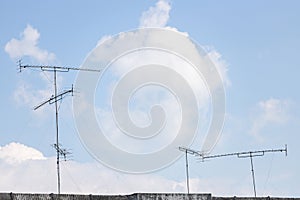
[247, 154]
[51, 68]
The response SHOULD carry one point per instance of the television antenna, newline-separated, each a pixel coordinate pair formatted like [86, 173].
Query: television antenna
[60, 152]
[245, 154]
[192, 152]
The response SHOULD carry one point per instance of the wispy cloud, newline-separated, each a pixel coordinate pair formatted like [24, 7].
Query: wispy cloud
[220, 64]
[156, 16]
[270, 112]
[26, 95]
[27, 45]
[31, 93]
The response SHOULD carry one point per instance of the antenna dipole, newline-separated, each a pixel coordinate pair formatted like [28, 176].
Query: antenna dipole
[245, 154]
[54, 99]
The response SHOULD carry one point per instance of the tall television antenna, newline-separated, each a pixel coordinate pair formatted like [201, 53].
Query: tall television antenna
[60, 152]
[245, 154]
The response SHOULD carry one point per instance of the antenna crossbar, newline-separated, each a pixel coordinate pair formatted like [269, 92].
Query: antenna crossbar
[57, 68]
[246, 154]
[54, 99]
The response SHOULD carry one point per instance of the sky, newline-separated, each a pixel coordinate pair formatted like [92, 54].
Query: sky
[253, 44]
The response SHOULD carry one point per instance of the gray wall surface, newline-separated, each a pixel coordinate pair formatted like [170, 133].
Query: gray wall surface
[137, 196]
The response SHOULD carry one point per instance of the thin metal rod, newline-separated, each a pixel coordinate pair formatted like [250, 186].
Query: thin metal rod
[253, 177]
[57, 68]
[53, 99]
[187, 172]
[246, 154]
[57, 138]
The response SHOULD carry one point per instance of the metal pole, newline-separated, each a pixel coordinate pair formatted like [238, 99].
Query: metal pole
[187, 172]
[253, 178]
[57, 139]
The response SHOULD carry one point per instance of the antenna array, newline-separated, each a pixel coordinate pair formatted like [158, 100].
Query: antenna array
[60, 152]
[245, 154]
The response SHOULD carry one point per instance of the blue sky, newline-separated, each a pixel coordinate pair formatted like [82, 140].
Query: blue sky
[256, 43]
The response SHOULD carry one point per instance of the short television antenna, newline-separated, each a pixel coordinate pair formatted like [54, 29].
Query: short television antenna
[246, 154]
[192, 152]
[54, 99]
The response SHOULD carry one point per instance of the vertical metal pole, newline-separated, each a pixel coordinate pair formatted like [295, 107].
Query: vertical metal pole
[57, 139]
[253, 178]
[187, 172]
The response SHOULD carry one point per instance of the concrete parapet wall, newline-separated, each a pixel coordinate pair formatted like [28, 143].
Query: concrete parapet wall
[172, 196]
[137, 196]
[253, 198]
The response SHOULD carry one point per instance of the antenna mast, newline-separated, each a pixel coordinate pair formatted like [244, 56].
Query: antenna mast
[192, 152]
[246, 154]
[54, 99]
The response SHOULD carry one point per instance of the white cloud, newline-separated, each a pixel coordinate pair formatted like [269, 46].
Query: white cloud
[140, 117]
[27, 45]
[26, 94]
[24, 169]
[156, 16]
[16, 153]
[272, 111]
[144, 98]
